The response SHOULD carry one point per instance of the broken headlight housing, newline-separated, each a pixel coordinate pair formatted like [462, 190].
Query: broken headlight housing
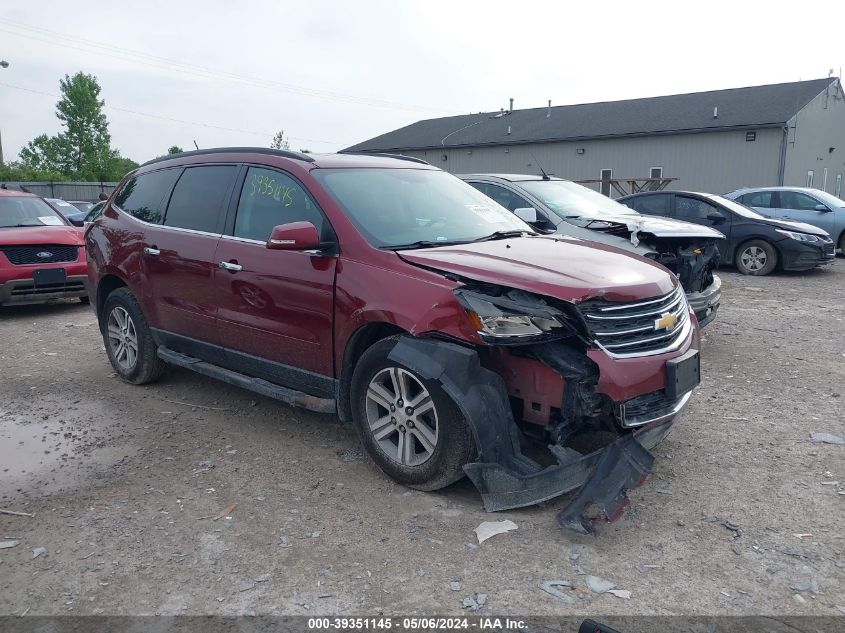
[513, 317]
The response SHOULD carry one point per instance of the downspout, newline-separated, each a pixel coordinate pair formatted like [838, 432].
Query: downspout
[782, 162]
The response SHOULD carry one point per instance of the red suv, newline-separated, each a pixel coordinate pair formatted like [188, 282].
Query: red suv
[42, 256]
[381, 288]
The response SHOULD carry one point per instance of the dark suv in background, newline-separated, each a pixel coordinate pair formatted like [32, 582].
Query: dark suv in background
[437, 322]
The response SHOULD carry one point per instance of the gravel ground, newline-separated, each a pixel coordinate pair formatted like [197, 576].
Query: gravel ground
[134, 490]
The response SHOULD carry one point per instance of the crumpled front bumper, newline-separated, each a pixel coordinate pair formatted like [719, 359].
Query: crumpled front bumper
[504, 476]
[706, 303]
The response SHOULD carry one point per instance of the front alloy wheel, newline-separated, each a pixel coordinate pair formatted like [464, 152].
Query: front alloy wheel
[408, 424]
[402, 417]
[123, 338]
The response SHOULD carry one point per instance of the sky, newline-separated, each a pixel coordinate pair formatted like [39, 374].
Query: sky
[332, 73]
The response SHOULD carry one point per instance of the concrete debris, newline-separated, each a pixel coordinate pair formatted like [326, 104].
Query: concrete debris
[811, 586]
[474, 602]
[38, 551]
[620, 593]
[554, 588]
[488, 529]
[826, 438]
[262, 578]
[455, 585]
[598, 585]
[9, 543]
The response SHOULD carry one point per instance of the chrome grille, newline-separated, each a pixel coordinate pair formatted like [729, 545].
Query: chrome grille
[40, 254]
[633, 329]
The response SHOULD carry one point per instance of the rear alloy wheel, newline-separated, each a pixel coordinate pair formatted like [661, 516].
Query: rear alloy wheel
[408, 424]
[756, 258]
[129, 343]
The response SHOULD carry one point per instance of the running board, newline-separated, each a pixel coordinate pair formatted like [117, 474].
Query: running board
[258, 385]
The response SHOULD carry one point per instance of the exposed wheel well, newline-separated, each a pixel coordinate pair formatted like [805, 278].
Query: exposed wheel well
[107, 285]
[359, 342]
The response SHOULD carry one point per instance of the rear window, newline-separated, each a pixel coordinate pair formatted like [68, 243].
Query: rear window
[145, 196]
[197, 201]
[27, 211]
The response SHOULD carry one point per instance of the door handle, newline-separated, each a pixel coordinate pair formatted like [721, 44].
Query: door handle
[232, 268]
[151, 251]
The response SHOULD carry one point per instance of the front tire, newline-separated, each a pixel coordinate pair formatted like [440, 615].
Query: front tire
[408, 424]
[129, 343]
[756, 257]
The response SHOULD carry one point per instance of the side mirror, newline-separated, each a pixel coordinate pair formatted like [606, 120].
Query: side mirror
[821, 207]
[716, 218]
[295, 236]
[526, 214]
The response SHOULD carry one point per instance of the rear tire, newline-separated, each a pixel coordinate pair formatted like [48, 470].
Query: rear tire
[842, 244]
[756, 257]
[409, 425]
[129, 343]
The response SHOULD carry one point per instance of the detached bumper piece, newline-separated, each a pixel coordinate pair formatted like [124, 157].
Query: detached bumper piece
[503, 475]
[706, 303]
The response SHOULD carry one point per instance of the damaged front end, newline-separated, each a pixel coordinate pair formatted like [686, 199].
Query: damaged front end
[547, 411]
[691, 256]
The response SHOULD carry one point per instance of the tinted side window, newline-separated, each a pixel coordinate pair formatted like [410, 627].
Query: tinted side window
[506, 198]
[761, 199]
[795, 200]
[198, 199]
[144, 196]
[654, 205]
[270, 198]
[693, 209]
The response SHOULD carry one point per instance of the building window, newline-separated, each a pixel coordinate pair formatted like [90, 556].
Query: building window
[606, 175]
[838, 185]
[750, 136]
[809, 177]
[824, 179]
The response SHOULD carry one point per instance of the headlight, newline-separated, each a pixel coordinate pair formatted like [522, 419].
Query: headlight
[513, 318]
[801, 237]
[512, 325]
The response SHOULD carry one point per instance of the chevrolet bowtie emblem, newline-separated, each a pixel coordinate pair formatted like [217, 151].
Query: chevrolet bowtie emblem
[667, 321]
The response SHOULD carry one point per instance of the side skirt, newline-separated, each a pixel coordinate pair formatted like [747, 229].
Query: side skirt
[258, 385]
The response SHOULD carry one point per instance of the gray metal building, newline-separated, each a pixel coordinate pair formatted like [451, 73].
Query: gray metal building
[780, 134]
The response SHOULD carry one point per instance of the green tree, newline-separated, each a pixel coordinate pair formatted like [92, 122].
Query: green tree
[175, 149]
[82, 151]
[279, 141]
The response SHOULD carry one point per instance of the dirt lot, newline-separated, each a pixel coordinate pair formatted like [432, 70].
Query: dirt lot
[123, 481]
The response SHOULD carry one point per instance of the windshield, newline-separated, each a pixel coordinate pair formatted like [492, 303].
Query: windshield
[829, 199]
[571, 200]
[27, 211]
[395, 208]
[736, 207]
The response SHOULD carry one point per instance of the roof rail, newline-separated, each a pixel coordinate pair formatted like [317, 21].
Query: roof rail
[412, 159]
[234, 150]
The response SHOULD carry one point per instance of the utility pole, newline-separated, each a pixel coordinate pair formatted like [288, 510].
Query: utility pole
[3, 64]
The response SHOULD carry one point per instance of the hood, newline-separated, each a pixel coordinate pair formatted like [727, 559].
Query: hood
[658, 226]
[21, 236]
[794, 225]
[560, 267]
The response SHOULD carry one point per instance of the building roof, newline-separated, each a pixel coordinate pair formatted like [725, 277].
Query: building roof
[752, 107]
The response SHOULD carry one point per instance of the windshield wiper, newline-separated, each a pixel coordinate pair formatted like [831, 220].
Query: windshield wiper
[18, 226]
[422, 244]
[501, 235]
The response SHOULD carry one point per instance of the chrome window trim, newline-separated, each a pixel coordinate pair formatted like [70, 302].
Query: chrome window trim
[245, 240]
